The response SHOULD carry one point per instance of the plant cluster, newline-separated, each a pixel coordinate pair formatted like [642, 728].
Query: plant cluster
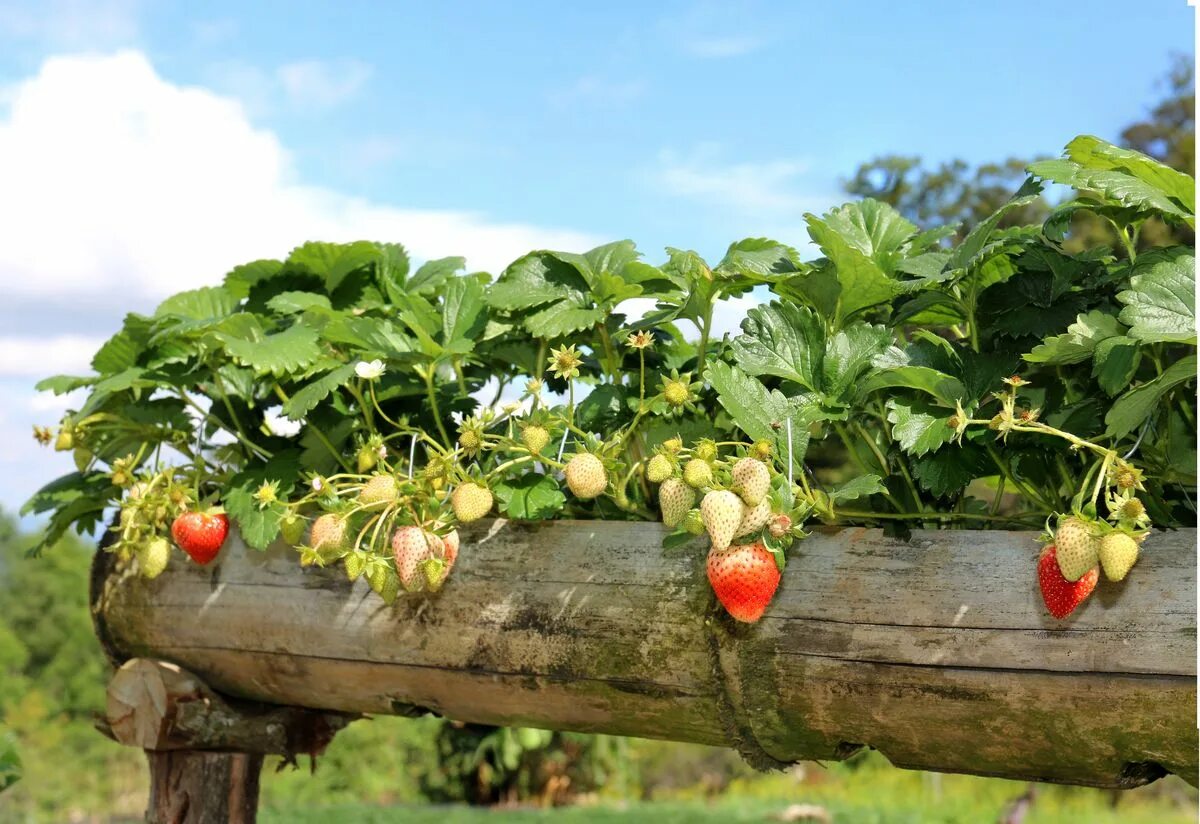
[361, 411]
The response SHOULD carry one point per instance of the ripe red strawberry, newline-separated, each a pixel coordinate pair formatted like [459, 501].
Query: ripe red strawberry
[381, 489]
[586, 476]
[412, 545]
[1062, 596]
[744, 578]
[1077, 548]
[754, 518]
[200, 534]
[328, 534]
[471, 502]
[722, 512]
[675, 498]
[450, 545]
[751, 480]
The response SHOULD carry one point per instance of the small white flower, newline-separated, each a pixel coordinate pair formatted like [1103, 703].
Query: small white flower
[382, 452]
[369, 371]
[318, 484]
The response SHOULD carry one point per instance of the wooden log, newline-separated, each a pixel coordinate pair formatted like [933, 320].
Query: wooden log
[205, 752]
[936, 651]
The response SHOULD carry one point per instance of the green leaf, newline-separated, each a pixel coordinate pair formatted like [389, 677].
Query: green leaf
[332, 262]
[1160, 304]
[782, 339]
[531, 497]
[945, 389]
[205, 303]
[976, 240]
[117, 354]
[287, 303]
[758, 258]
[1128, 411]
[861, 283]
[948, 470]
[918, 427]
[1116, 362]
[1094, 153]
[10, 761]
[1118, 187]
[874, 228]
[464, 313]
[1079, 341]
[62, 384]
[536, 279]
[849, 354]
[305, 399]
[759, 413]
[259, 525]
[434, 273]
[864, 486]
[241, 279]
[278, 354]
[562, 318]
[373, 336]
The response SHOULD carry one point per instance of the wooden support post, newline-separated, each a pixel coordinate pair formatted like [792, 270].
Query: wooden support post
[205, 751]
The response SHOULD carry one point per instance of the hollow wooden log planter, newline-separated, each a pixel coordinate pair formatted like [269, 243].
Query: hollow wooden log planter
[936, 651]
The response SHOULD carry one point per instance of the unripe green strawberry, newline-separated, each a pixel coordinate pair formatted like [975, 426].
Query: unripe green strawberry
[761, 450]
[697, 473]
[153, 556]
[672, 445]
[535, 438]
[1118, 553]
[291, 529]
[434, 572]
[469, 441]
[658, 469]
[1077, 549]
[586, 477]
[366, 459]
[471, 502]
[328, 534]
[412, 545]
[722, 512]
[751, 480]
[706, 450]
[754, 518]
[675, 498]
[381, 489]
[65, 441]
[693, 522]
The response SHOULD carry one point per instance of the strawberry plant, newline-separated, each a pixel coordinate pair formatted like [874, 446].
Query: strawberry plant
[360, 410]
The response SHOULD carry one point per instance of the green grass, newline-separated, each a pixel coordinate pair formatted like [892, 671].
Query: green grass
[871, 792]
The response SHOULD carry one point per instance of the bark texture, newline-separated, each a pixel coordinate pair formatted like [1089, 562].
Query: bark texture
[936, 651]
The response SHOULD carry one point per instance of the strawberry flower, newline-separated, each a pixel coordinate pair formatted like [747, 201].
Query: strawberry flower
[369, 370]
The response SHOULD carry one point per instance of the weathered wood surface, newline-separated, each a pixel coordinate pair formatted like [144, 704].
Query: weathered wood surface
[157, 705]
[937, 652]
[189, 787]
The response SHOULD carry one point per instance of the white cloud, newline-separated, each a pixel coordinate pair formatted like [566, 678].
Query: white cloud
[141, 187]
[722, 46]
[750, 186]
[593, 88]
[71, 24]
[43, 356]
[322, 83]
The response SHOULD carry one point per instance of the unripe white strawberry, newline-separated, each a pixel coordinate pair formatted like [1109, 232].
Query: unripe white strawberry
[328, 534]
[471, 502]
[380, 489]
[153, 556]
[1118, 553]
[722, 512]
[751, 480]
[586, 477]
[450, 546]
[697, 473]
[675, 498]
[535, 438]
[658, 469]
[754, 518]
[1077, 549]
[411, 545]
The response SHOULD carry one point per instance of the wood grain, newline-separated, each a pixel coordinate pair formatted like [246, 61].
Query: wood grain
[936, 651]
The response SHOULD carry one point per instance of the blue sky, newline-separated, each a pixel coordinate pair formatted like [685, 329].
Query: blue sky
[147, 147]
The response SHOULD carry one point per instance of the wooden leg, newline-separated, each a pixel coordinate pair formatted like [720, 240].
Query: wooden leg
[196, 787]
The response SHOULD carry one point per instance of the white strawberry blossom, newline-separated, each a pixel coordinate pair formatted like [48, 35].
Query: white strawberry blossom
[369, 371]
